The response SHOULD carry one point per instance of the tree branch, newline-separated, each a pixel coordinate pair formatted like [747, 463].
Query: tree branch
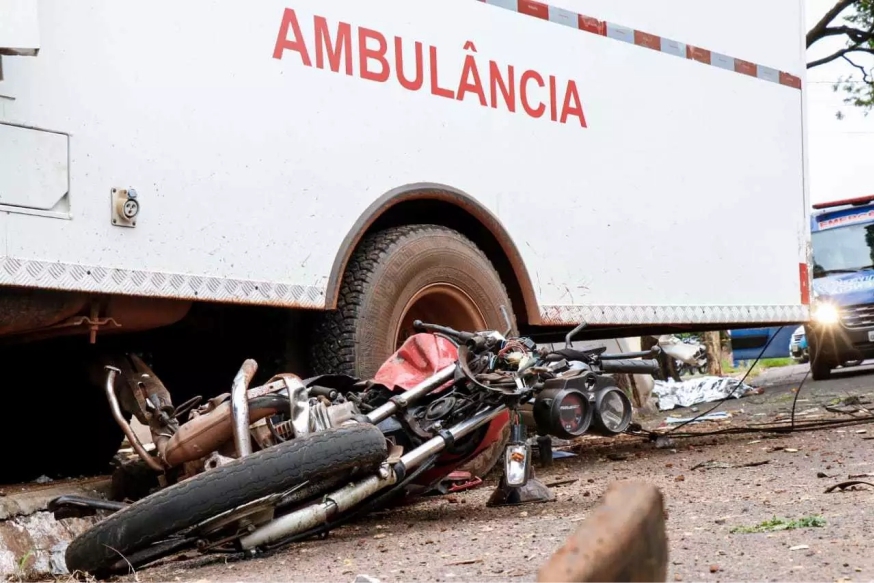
[839, 54]
[816, 33]
[865, 77]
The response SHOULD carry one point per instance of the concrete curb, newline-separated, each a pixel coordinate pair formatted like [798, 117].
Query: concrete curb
[624, 539]
[32, 542]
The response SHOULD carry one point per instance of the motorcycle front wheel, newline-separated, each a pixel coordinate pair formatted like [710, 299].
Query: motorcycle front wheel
[155, 518]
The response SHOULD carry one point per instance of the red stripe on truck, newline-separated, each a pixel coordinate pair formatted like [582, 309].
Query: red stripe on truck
[804, 276]
[648, 40]
[593, 25]
[535, 9]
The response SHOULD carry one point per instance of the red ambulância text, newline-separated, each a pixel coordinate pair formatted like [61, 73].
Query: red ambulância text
[382, 59]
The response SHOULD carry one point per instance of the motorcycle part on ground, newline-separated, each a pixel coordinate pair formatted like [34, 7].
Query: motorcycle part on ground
[562, 412]
[359, 449]
[433, 273]
[544, 450]
[79, 506]
[517, 455]
[335, 503]
[612, 411]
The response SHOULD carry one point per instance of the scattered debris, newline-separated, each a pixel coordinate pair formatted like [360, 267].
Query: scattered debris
[845, 485]
[562, 483]
[822, 475]
[714, 568]
[465, 562]
[857, 476]
[710, 417]
[365, 579]
[776, 524]
[680, 478]
[617, 457]
[698, 390]
[664, 442]
[715, 465]
[799, 548]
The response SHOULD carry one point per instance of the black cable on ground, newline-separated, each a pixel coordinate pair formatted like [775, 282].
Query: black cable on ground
[795, 400]
[731, 394]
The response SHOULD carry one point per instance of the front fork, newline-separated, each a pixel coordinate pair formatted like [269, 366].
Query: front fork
[344, 499]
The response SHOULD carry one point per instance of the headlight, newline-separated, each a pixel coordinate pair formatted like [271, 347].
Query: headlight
[612, 412]
[826, 313]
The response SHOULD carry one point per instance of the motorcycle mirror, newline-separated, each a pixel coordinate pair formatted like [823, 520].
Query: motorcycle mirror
[572, 333]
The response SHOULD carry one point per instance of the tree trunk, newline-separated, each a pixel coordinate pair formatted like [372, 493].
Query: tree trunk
[714, 353]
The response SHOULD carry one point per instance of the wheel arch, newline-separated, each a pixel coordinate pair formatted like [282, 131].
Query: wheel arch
[431, 203]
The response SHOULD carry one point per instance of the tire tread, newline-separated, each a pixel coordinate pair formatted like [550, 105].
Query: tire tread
[206, 495]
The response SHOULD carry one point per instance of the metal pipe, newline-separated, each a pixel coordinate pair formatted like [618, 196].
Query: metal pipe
[112, 373]
[352, 494]
[416, 456]
[307, 518]
[430, 384]
[82, 502]
[240, 407]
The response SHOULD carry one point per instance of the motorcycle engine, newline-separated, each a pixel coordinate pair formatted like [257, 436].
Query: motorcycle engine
[317, 416]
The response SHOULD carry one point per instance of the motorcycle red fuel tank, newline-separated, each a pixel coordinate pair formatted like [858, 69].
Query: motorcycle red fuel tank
[421, 356]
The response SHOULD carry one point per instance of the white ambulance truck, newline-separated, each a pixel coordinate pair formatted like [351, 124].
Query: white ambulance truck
[298, 180]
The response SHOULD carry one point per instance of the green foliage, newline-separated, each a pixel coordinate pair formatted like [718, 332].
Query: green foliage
[776, 524]
[852, 20]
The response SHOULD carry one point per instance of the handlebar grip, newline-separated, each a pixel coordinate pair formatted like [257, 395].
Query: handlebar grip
[630, 366]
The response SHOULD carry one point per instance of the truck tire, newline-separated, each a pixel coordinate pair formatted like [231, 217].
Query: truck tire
[400, 274]
[166, 512]
[820, 368]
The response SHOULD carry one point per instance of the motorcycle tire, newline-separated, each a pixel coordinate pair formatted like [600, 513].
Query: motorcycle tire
[356, 449]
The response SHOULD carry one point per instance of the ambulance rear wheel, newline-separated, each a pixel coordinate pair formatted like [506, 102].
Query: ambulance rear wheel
[398, 275]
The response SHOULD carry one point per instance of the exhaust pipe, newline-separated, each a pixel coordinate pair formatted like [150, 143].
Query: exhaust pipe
[153, 463]
[240, 407]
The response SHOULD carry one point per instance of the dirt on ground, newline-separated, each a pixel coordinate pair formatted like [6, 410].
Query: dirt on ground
[740, 507]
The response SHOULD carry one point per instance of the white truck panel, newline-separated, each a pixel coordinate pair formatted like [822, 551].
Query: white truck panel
[19, 27]
[251, 170]
[33, 169]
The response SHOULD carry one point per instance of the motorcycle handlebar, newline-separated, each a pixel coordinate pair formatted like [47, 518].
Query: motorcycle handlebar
[630, 366]
[465, 337]
[626, 355]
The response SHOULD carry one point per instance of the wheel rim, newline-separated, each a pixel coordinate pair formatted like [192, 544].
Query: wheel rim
[443, 304]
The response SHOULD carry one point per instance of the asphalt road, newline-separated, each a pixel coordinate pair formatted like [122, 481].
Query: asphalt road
[712, 499]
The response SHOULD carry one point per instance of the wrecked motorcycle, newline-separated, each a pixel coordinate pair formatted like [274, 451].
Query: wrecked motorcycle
[266, 466]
